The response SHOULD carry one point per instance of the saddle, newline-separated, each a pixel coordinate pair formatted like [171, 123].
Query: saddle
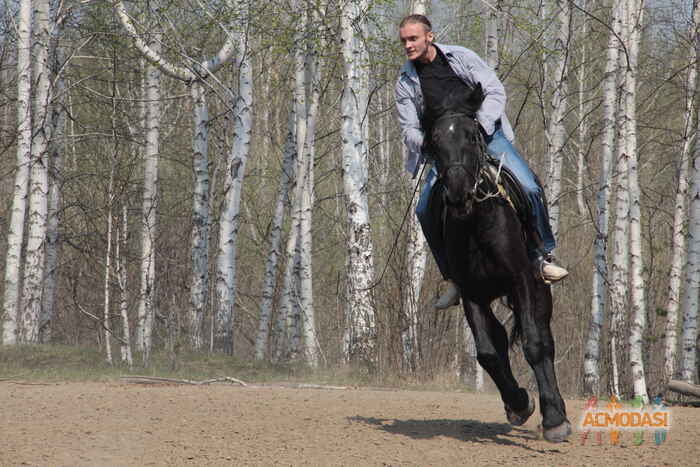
[503, 180]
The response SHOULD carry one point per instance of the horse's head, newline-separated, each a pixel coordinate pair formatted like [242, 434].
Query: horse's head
[457, 147]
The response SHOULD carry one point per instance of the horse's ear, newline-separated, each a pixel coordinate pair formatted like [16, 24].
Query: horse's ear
[475, 98]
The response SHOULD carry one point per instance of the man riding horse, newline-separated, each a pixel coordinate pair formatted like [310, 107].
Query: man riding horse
[432, 72]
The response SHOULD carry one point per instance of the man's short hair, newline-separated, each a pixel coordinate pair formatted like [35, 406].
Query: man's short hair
[417, 19]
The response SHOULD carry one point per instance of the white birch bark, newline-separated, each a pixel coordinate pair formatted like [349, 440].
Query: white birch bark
[107, 328]
[230, 216]
[619, 274]
[286, 177]
[200, 216]
[13, 255]
[56, 148]
[198, 71]
[688, 364]
[491, 29]
[200, 235]
[287, 339]
[638, 298]
[420, 7]
[679, 211]
[584, 108]
[37, 215]
[559, 106]
[146, 307]
[416, 257]
[310, 341]
[360, 333]
[688, 367]
[591, 363]
[122, 278]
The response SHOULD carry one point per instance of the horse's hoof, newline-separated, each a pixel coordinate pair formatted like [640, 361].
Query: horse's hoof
[519, 418]
[558, 433]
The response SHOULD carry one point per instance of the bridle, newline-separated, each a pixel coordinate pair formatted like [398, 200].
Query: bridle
[481, 162]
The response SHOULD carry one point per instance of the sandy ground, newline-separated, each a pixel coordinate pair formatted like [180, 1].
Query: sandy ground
[94, 424]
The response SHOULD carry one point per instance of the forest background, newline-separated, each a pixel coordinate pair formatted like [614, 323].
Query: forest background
[227, 176]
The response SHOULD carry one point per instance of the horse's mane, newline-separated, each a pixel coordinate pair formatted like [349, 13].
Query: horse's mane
[454, 103]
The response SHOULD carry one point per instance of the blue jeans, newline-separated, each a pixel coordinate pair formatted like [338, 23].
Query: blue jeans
[499, 148]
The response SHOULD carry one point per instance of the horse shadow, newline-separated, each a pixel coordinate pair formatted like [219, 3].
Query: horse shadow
[463, 430]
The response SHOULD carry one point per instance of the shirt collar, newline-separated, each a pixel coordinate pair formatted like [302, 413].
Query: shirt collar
[409, 69]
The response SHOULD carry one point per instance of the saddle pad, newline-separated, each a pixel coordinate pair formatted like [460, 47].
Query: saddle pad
[510, 189]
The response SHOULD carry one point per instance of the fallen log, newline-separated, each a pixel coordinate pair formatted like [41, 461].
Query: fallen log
[687, 389]
[158, 380]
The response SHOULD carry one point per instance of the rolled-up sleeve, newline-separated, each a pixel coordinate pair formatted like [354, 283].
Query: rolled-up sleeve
[411, 131]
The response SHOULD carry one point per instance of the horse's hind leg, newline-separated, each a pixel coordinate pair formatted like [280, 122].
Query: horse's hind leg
[534, 302]
[492, 354]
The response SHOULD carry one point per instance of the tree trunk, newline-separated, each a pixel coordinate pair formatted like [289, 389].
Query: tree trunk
[200, 215]
[310, 341]
[591, 363]
[122, 237]
[638, 322]
[584, 109]
[151, 155]
[619, 284]
[416, 257]
[56, 149]
[15, 233]
[360, 332]
[688, 365]
[679, 212]
[230, 217]
[559, 108]
[275, 235]
[106, 323]
[39, 182]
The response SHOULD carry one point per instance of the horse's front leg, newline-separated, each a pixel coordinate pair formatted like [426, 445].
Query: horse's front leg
[533, 303]
[491, 342]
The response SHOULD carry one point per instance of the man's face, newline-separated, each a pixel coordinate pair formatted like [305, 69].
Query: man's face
[416, 41]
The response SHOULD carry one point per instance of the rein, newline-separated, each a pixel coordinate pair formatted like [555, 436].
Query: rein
[479, 196]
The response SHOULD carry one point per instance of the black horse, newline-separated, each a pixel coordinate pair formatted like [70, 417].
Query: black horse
[486, 244]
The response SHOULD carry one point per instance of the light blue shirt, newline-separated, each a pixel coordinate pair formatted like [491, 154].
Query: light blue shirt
[471, 69]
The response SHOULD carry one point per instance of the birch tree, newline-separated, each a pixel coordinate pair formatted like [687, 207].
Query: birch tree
[584, 109]
[313, 70]
[556, 131]
[591, 363]
[286, 177]
[56, 159]
[679, 212]
[360, 333]
[200, 215]
[39, 183]
[689, 333]
[635, 14]
[619, 280]
[200, 161]
[296, 323]
[122, 236]
[230, 215]
[149, 207]
[106, 324]
[15, 233]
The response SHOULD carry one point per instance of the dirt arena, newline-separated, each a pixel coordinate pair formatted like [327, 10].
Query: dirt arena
[95, 424]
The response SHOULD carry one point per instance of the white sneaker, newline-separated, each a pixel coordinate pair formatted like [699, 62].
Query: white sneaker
[449, 298]
[552, 272]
